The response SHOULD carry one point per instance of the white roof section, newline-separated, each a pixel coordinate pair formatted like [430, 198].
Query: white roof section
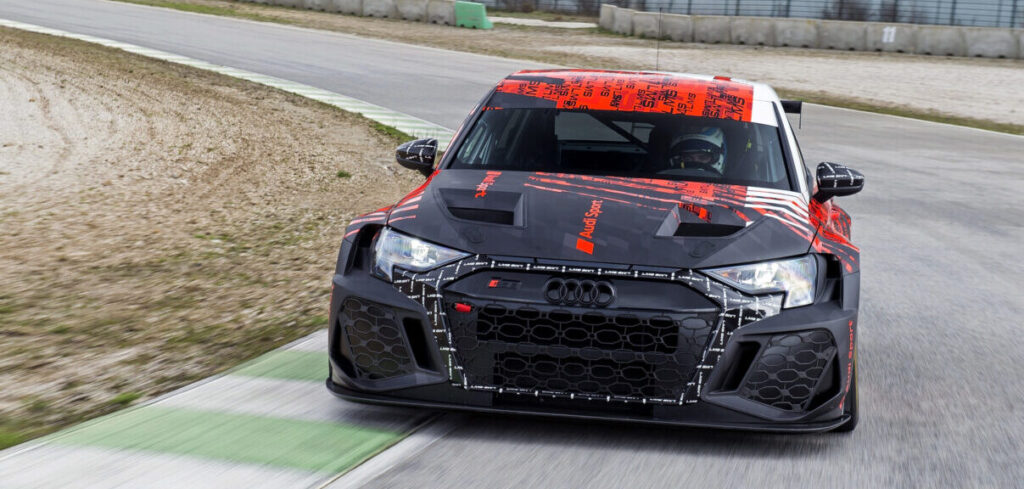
[763, 110]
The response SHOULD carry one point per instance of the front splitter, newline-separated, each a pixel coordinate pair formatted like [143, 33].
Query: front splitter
[369, 398]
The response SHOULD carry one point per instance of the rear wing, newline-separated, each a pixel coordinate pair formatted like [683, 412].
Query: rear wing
[794, 107]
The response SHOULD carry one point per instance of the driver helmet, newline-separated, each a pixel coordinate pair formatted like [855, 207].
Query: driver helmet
[703, 146]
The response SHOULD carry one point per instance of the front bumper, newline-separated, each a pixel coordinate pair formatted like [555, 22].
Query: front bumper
[739, 364]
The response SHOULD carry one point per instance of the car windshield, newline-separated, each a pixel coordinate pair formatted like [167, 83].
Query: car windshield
[628, 144]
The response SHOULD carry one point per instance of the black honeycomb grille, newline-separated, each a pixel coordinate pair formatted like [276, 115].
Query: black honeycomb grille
[632, 355]
[789, 368]
[375, 340]
[591, 329]
[598, 378]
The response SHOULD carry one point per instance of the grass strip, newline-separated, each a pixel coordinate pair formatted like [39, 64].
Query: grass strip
[207, 9]
[933, 116]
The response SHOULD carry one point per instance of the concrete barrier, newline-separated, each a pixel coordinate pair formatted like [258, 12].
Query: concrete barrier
[1020, 42]
[799, 33]
[316, 4]
[753, 31]
[607, 19]
[891, 38]
[412, 9]
[351, 7]
[991, 43]
[940, 41]
[441, 12]
[645, 24]
[711, 29]
[844, 36]
[379, 8]
[677, 27]
[623, 23]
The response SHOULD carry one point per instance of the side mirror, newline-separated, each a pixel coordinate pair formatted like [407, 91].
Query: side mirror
[418, 155]
[835, 180]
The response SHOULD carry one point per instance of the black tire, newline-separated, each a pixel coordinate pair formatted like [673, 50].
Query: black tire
[851, 402]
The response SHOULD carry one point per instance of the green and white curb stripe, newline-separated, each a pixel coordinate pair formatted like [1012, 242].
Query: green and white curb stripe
[267, 423]
[403, 122]
[55, 466]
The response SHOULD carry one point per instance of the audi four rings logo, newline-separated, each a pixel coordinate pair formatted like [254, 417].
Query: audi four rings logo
[571, 292]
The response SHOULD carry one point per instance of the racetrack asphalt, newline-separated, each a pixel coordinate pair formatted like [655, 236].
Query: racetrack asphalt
[940, 227]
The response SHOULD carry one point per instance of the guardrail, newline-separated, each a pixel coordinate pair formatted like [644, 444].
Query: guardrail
[988, 42]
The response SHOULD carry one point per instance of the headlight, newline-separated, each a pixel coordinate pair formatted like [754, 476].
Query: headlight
[794, 277]
[395, 249]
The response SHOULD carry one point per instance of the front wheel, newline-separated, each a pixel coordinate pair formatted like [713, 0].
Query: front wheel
[851, 402]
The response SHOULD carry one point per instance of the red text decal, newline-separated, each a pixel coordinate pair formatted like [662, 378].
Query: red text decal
[589, 224]
[481, 189]
[636, 92]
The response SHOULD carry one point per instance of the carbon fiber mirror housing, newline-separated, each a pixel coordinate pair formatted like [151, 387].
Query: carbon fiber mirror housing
[418, 155]
[836, 180]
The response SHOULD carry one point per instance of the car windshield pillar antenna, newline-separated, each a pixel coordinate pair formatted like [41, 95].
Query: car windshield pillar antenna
[657, 44]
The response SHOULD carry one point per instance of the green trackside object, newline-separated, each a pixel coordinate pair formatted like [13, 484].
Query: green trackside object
[472, 15]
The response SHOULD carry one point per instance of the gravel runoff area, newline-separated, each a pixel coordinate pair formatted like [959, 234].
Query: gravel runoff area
[980, 92]
[160, 224]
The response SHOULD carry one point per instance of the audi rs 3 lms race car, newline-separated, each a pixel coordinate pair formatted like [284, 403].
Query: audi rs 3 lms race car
[609, 245]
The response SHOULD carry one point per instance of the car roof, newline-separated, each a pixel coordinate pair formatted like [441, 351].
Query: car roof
[639, 91]
[760, 88]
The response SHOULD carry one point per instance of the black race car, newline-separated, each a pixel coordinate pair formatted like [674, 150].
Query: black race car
[609, 245]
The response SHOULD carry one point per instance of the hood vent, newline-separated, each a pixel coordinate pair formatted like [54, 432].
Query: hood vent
[490, 216]
[705, 230]
[685, 224]
[488, 207]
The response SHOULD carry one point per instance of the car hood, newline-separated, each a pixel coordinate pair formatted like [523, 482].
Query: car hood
[605, 219]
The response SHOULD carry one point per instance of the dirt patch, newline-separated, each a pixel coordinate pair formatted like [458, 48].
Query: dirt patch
[160, 223]
[971, 91]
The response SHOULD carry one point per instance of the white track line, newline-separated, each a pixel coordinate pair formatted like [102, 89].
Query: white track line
[403, 122]
[54, 466]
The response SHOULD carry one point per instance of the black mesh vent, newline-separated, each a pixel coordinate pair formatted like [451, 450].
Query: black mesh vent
[375, 340]
[594, 329]
[484, 215]
[594, 378]
[705, 229]
[605, 354]
[789, 368]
